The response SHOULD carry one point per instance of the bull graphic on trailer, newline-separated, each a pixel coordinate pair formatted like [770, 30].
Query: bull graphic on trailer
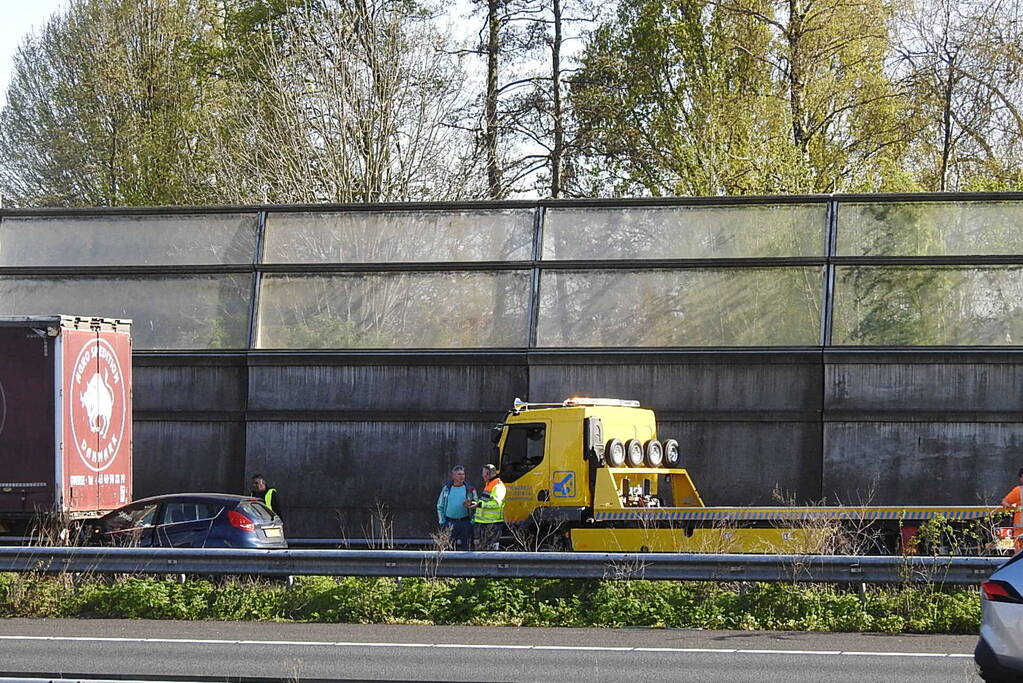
[98, 401]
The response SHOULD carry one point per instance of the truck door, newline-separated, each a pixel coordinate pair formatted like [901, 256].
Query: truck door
[525, 469]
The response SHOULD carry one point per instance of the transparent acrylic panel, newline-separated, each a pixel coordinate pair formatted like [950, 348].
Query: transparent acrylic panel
[394, 310]
[181, 312]
[930, 229]
[928, 306]
[677, 232]
[683, 307]
[399, 236]
[211, 239]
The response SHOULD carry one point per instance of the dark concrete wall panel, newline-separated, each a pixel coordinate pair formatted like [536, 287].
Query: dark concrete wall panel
[409, 388]
[189, 388]
[690, 387]
[333, 475]
[924, 387]
[920, 463]
[174, 457]
[742, 463]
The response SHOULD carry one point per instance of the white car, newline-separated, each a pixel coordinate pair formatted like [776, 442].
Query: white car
[999, 652]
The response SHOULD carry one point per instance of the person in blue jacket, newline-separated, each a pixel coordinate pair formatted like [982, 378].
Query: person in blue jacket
[454, 508]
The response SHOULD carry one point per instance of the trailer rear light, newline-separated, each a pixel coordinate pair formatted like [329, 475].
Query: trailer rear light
[1000, 591]
[240, 521]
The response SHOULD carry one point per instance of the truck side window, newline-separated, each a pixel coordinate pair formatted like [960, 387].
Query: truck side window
[523, 450]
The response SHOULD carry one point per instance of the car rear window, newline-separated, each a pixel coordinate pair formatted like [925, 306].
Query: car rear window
[255, 511]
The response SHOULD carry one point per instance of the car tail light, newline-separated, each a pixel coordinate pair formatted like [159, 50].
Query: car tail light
[999, 591]
[240, 521]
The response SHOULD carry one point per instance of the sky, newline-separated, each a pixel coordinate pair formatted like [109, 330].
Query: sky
[17, 18]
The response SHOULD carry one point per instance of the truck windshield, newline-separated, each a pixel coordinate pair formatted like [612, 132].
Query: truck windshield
[523, 450]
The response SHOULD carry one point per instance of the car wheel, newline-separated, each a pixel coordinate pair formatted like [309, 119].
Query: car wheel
[995, 676]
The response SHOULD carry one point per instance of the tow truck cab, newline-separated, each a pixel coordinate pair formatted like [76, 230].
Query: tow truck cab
[562, 461]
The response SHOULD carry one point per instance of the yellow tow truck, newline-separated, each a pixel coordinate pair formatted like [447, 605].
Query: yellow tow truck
[592, 474]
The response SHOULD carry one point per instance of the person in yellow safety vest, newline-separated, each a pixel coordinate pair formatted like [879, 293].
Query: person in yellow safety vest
[489, 518]
[1014, 500]
[269, 496]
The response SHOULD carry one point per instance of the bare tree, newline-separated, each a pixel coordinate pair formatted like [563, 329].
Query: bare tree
[361, 102]
[962, 59]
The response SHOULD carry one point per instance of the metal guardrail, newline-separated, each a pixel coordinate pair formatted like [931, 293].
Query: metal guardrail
[410, 563]
[366, 543]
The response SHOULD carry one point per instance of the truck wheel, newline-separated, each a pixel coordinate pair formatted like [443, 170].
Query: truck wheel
[672, 456]
[654, 453]
[614, 453]
[634, 453]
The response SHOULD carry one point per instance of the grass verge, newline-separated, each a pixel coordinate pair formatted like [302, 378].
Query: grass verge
[501, 602]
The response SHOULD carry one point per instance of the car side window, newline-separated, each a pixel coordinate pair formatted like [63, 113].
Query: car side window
[132, 517]
[146, 515]
[174, 513]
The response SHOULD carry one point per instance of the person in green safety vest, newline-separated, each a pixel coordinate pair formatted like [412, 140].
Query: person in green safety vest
[489, 517]
[270, 497]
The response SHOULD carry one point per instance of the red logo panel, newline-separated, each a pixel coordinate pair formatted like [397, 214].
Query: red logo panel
[98, 404]
[97, 427]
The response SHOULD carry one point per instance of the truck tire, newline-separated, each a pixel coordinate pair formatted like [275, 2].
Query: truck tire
[614, 453]
[653, 453]
[634, 453]
[672, 455]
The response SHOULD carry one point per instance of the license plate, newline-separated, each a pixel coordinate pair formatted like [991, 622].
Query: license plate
[272, 531]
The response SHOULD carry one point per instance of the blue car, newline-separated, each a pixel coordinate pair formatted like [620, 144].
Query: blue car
[190, 520]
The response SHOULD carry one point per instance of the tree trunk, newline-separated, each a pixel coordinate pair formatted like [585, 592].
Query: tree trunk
[800, 136]
[490, 125]
[946, 123]
[558, 150]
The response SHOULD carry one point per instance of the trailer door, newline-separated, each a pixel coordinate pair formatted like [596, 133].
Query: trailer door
[97, 420]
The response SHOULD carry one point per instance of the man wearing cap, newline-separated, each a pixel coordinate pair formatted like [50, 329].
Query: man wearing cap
[454, 509]
[489, 518]
[1013, 500]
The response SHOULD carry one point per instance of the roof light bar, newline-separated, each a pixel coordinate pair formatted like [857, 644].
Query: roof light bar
[574, 401]
[583, 401]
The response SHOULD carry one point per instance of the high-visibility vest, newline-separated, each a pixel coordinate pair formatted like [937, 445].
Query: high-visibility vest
[491, 503]
[267, 497]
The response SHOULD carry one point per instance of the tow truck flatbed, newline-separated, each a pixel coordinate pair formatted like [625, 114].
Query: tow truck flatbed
[797, 514]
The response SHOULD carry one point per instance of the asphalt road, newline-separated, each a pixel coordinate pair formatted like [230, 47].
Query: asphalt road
[319, 652]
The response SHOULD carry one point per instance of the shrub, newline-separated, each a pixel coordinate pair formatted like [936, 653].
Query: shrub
[345, 600]
[150, 598]
[533, 602]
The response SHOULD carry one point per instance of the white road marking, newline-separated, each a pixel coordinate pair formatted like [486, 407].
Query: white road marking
[579, 648]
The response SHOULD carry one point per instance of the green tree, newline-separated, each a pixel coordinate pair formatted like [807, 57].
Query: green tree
[671, 100]
[106, 104]
[740, 96]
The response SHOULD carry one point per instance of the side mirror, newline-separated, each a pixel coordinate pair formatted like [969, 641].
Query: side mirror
[495, 434]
